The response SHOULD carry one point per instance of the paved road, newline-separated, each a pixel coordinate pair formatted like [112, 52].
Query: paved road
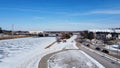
[111, 52]
[101, 59]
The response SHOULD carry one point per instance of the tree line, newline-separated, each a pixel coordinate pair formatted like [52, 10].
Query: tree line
[1, 30]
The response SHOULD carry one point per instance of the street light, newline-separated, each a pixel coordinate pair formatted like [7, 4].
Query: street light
[117, 51]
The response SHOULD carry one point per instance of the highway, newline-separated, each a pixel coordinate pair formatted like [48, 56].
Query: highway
[108, 63]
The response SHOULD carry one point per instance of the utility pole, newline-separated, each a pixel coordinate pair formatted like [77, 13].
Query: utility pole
[117, 53]
[12, 30]
[118, 45]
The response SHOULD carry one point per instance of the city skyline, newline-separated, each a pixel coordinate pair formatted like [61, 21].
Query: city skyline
[59, 15]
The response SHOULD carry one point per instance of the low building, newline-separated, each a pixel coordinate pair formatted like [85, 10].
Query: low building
[119, 36]
[106, 33]
[35, 32]
[21, 32]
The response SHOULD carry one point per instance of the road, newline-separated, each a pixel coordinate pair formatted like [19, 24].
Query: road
[114, 53]
[108, 63]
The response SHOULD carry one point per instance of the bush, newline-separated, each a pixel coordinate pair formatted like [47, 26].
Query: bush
[40, 35]
[65, 36]
[90, 35]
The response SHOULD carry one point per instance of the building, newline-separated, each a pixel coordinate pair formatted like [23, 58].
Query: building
[35, 32]
[106, 33]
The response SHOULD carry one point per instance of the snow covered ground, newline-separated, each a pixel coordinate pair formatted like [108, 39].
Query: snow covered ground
[27, 52]
[16, 53]
[69, 44]
[73, 59]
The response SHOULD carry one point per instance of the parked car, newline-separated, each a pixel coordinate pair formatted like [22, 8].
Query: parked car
[88, 45]
[97, 48]
[105, 51]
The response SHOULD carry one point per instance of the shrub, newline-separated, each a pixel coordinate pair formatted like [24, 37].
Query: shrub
[65, 36]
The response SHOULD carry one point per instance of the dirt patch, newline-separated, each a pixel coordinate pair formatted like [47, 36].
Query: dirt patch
[50, 45]
[78, 44]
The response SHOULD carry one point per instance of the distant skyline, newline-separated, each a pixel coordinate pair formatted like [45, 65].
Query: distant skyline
[59, 15]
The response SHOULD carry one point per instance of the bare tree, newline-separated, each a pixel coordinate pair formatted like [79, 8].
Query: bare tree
[90, 35]
[1, 30]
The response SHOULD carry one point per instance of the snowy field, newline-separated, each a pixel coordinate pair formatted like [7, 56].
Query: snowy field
[27, 52]
[16, 52]
[73, 59]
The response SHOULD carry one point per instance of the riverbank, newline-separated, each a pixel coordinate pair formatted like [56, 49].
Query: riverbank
[14, 37]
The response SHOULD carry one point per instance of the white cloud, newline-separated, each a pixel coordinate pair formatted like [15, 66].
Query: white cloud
[22, 9]
[106, 12]
[38, 18]
[95, 12]
[40, 10]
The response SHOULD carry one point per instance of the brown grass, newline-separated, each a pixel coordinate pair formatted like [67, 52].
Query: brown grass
[50, 45]
[12, 37]
[78, 44]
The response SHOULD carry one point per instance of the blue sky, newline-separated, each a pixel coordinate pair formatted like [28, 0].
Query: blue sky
[59, 15]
